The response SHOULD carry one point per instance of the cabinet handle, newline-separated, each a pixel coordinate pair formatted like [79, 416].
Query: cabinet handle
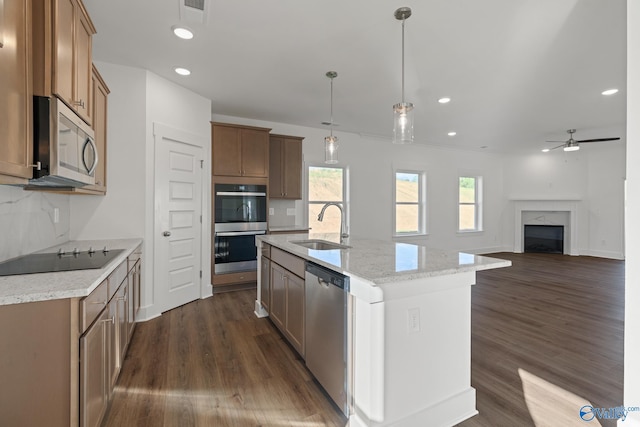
[79, 103]
[112, 319]
[124, 298]
[99, 302]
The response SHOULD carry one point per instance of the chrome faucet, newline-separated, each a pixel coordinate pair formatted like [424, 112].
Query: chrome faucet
[343, 226]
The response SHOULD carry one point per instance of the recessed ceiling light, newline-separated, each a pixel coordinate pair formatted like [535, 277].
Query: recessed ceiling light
[546, 150]
[610, 91]
[444, 100]
[182, 32]
[182, 71]
[452, 134]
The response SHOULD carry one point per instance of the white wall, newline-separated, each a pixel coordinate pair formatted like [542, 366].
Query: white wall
[594, 176]
[138, 99]
[371, 162]
[632, 236]
[27, 221]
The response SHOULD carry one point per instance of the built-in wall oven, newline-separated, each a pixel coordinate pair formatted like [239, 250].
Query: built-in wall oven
[240, 215]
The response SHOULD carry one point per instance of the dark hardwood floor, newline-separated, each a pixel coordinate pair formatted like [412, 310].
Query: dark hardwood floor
[547, 336]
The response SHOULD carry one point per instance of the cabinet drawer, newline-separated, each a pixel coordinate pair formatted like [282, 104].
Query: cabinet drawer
[291, 262]
[92, 305]
[116, 278]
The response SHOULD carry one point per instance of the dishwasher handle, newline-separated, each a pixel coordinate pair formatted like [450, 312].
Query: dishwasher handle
[327, 275]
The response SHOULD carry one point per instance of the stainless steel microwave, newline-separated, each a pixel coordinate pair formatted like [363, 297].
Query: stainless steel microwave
[65, 152]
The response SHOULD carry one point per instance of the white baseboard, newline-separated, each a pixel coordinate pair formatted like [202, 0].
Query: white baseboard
[603, 254]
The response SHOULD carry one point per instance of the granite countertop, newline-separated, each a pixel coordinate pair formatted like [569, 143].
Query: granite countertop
[384, 262]
[65, 284]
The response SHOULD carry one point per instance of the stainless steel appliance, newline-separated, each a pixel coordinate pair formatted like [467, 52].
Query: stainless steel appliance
[240, 215]
[326, 331]
[65, 153]
[60, 261]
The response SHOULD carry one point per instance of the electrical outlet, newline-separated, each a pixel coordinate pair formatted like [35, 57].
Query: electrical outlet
[414, 320]
[271, 211]
[291, 211]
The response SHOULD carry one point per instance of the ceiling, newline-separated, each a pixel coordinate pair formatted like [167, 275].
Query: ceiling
[518, 72]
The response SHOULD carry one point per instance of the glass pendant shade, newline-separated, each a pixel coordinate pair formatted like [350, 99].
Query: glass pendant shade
[331, 149]
[403, 123]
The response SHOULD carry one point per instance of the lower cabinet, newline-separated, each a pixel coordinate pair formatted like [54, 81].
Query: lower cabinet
[287, 301]
[265, 284]
[94, 365]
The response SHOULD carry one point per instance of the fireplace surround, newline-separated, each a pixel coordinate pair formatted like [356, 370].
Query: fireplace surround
[547, 212]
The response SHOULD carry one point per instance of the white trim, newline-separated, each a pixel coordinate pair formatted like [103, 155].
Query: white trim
[422, 202]
[570, 206]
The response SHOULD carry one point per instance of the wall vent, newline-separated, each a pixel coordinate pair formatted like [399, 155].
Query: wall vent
[194, 10]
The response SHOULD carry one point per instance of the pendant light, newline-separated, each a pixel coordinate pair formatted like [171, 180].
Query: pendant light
[331, 142]
[403, 111]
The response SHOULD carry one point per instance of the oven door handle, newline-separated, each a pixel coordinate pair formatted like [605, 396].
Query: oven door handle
[239, 194]
[240, 233]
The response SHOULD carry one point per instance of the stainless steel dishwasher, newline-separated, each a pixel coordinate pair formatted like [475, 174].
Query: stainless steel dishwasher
[326, 335]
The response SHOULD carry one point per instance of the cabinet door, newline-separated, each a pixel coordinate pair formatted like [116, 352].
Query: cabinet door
[278, 296]
[292, 168]
[64, 23]
[94, 357]
[82, 83]
[112, 339]
[255, 152]
[295, 311]
[98, 113]
[276, 178]
[122, 323]
[131, 303]
[227, 153]
[265, 283]
[136, 290]
[16, 102]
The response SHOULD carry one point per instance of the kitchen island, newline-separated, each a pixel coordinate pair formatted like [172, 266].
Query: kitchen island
[409, 346]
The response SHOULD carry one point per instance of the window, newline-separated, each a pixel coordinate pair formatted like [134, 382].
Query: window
[409, 201]
[326, 184]
[469, 203]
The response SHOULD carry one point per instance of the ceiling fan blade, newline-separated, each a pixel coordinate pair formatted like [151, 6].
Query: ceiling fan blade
[557, 147]
[598, 140]
[555, 141]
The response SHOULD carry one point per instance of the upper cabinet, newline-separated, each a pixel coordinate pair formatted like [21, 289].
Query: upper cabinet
[285, 167]
[16, 146]
[240, 150]
[98, 112]
[62, 32]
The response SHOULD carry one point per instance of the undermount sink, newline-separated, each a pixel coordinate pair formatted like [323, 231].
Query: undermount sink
[320, 245]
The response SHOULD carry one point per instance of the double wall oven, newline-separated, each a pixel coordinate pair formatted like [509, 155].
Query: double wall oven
[240, 215]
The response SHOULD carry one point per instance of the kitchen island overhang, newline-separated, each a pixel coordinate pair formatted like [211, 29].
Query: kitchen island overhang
[410, 343]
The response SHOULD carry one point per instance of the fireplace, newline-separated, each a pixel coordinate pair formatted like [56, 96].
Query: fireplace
[561, 212]
[544, 238]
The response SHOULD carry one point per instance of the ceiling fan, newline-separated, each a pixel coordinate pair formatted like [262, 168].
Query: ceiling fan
[574, 144]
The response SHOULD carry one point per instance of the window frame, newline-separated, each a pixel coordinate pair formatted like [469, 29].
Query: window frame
[345, 192]
[478, 217]
[422, 202]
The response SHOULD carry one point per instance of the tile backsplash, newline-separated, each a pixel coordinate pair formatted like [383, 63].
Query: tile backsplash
[28, 221]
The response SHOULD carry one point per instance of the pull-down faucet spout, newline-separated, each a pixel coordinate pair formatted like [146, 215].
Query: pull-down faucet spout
[343, 226]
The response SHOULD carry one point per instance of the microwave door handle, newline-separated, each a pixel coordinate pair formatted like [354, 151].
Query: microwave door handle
[89, 141]
[239, 233]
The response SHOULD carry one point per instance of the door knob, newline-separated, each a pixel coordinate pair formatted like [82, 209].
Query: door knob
[166, 234]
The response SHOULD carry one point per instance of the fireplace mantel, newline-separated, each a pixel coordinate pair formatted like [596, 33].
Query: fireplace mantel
[569, 205]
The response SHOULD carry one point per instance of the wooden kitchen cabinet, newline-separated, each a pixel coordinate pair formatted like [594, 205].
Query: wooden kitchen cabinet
[16, 93]
[288, 297]
[62, 32]
[98, 113]
[285, 167]
[94, 357]
[240, 150]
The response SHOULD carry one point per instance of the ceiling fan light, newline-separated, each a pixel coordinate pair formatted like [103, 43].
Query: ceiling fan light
[571, 148]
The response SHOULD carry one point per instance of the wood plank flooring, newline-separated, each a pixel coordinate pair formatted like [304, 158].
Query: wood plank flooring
[546, 335]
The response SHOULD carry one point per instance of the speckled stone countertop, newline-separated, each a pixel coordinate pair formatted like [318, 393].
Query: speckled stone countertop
[65, 284]
[383, 262]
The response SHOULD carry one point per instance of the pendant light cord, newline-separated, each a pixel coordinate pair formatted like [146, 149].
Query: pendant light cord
[331, 129]
[403, 60]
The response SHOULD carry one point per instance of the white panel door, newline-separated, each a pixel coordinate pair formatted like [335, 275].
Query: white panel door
[178, 216]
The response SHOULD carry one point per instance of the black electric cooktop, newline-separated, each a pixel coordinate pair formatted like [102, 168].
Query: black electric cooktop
[47, 263]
